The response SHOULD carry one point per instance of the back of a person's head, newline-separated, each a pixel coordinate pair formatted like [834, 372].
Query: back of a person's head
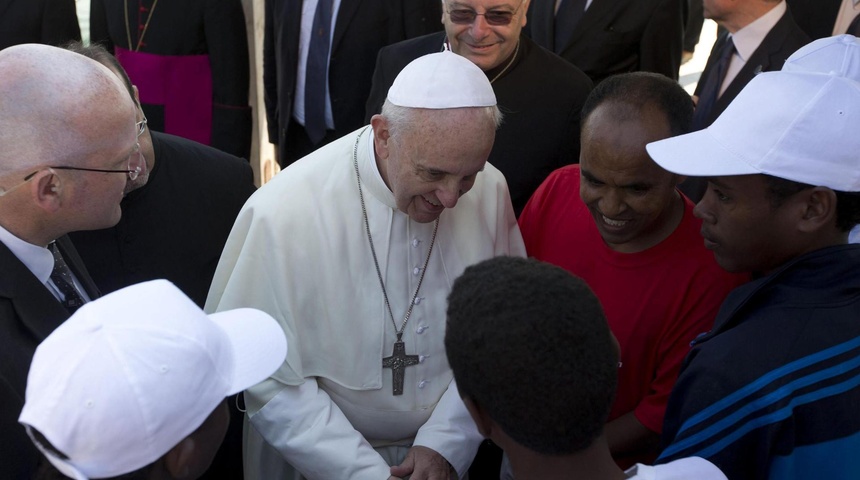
[529, 344]
[633, 92]
[128, 378]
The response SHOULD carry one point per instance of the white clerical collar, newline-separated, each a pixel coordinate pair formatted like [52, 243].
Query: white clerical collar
[748, 39]
[38, 260]
[369, 171]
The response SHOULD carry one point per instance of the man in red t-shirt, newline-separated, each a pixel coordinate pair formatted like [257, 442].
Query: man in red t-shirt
[618, 221]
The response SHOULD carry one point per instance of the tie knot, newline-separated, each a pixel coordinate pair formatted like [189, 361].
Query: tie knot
[63, 280]
[728, 48]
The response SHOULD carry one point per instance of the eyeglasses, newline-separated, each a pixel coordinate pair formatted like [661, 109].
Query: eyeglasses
[134, 166]
[466, 16]
[141, 126]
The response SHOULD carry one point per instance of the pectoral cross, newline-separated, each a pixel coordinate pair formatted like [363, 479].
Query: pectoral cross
[397, 362]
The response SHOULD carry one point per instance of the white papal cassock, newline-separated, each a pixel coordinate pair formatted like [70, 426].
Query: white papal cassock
[300, 252]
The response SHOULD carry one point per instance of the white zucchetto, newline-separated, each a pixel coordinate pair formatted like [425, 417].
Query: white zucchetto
[439, 81]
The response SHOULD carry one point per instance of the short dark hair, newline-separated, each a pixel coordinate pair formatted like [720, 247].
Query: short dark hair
[847, 203]
[528, 343]
[639, 90]
[100, 54]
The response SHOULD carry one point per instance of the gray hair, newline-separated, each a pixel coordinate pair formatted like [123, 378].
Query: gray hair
[405, 119]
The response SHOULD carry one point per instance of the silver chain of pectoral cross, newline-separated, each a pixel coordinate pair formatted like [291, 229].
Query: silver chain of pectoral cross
[399, 331]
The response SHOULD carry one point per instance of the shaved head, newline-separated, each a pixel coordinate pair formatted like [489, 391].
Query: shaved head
[61, 110]
[57, 108]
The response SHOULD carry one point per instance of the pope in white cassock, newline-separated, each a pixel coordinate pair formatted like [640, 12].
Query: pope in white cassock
[354, 249]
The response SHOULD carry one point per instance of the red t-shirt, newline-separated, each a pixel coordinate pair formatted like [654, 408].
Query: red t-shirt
[656, 301]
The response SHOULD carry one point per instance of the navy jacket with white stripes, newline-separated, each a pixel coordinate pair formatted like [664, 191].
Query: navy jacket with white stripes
[773, 391]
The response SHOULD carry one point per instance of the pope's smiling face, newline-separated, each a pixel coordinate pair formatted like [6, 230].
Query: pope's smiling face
[485, 45]
[429, 166]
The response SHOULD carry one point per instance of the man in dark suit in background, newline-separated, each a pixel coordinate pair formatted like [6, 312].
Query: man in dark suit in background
[52, 22]
[318, 61]
[606, 37]
[68, 147]
[760, 35]
[815, 17]
[539, 94]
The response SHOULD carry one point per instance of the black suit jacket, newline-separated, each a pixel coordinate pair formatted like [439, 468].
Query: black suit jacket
[540, 96]
[815, 17]
[52, 22]
[29, 312]
[617, 36]
[783, 39]
[362, 27]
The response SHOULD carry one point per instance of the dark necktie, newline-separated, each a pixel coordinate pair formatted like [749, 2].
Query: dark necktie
[62, 278]
[569, 13]
[854, 28]
[711, 89]
[316, 73]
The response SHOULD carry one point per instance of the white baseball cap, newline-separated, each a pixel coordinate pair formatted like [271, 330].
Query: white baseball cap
[839, 55]
[130, 375]
[441, 80]
[794, 125]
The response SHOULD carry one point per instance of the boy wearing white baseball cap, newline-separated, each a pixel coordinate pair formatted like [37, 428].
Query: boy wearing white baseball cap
[135, 383]
[772, 391]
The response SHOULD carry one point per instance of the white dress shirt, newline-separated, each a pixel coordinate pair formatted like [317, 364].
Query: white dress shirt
[40, 261]
[748, 39]
[309, 8]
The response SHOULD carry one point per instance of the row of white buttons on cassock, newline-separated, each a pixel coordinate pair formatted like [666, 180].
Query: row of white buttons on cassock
[422, 328]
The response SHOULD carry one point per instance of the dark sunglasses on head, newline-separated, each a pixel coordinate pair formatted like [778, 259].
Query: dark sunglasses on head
[467, 17]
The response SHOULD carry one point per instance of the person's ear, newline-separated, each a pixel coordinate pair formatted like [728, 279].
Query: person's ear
[524, 13]
[178, 460]
[46, 190]
[381, 135]
[818, 209]
[479, 415]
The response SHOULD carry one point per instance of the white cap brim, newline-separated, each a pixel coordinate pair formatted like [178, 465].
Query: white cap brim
[258, 343]
[791, 125]
[698, 154]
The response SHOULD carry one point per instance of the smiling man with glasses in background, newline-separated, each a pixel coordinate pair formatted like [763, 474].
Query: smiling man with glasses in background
[540, 94]
[68, 149]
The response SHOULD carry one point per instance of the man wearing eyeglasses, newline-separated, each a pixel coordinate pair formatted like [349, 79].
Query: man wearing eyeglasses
[540, 94]
[68, 147]
[172, 228]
